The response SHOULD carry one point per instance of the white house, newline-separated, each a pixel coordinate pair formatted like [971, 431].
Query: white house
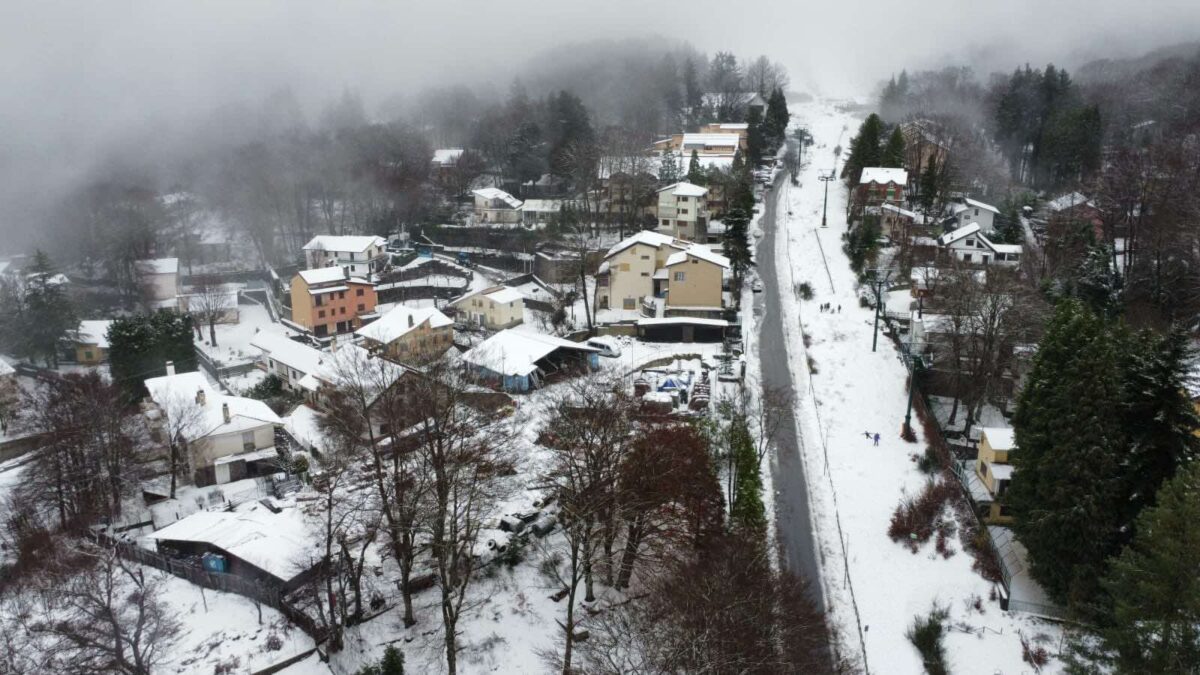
[971, 211]
[494, 308]
[970, 245]
[540, 211]
[360, 255]
[225, 437]
[683, 211]
[493, 205]
[286, 358]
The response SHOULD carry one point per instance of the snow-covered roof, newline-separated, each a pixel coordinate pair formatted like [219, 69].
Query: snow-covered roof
[964, 231]
[176, 395]
[355, 365]
[344, 243]
[516, 353]
[295, 355]
[647, 237]
[94, 333]
[504, 295]
[734, 126]
[322, 275]
[1001, 471]
[6, 368]
[698, 251]
[1000, 438]
[883, 175]
[277, 543]
[446, 156]
[303, 423]
[542, 205]
[1002, 248]
[400, 320]
[981, 205]
[685, 189]
[157, 266]
[1063, 202]
[497, 193]
[682, 320]
[896, 209]
[702, 139]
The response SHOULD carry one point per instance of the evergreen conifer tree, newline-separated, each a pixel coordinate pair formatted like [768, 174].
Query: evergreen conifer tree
[865, 149]
[893, 153]
[1070, 441]
[930, 185]
[695, 174]
[51, 314]
[755, 142]
[1155, 586]
[668, 167]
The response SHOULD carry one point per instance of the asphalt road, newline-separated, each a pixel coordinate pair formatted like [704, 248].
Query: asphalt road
[793, 521]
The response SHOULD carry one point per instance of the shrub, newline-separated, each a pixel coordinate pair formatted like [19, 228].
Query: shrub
[927, 634]
[916, 520]
[1036, 656]
[805, 290]
[928, 463]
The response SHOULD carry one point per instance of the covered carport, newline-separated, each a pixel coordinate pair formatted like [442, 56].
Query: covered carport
[682, 329]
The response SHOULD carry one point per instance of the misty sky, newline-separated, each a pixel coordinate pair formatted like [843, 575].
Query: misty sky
[75, 74]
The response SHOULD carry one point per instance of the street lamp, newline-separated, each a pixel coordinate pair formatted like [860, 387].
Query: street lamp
[825, 207]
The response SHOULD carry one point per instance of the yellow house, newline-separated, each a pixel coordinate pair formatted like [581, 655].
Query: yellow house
[494, 308]
[91, 342]
[409, 335]
[996, 445]
[653, 269]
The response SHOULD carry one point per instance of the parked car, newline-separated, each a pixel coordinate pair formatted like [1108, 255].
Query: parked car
[607, 346]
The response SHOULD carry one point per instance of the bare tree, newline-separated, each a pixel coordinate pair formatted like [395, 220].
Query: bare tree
[464, 448]
[209, 301]
[182, 417]
[10, 402]
[103, 614]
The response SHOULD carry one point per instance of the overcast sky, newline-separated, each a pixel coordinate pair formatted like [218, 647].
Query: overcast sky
[74, 73]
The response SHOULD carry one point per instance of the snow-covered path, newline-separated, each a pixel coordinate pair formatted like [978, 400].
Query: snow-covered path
[873, 586]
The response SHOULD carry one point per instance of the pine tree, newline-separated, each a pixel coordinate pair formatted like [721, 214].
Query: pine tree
[893, 152]
[668, 167]
[1159, 415]
[51, 314]
[695, 174]
[140, 346]
[1155, 586]
[777, 118]
[1094, 282]
[865, 149]
[930, 185]
[755, 142]
[1070, 438]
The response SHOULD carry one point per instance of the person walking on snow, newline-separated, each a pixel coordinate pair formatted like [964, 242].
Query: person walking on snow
[876, 440]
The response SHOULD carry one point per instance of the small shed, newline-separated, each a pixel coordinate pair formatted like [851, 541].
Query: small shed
[519, 361]
[682, 329]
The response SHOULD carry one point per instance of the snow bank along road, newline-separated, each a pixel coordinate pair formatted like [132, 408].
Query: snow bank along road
[873, 586]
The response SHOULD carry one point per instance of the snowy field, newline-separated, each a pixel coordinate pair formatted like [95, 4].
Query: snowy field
[878, 587]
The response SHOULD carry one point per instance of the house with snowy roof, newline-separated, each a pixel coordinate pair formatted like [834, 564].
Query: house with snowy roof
[993, 466]
[705, 143]
[879, 185]
[359, 369]
[226, 438]
[91, 342]
[660, 275]
[286, 358]
[409, 334]
[361, 256]
[494, 308]
[493, 205]
[519, 361]
[682, 211]
[970, 245]
[329, 300]
[972, 211]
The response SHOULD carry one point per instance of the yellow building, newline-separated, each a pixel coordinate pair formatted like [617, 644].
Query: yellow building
[91, 342]
[409, 335]
[494, 308]
[651, 270]
[996, 445]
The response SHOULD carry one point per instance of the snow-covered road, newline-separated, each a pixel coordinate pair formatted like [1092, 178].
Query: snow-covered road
[874, 587]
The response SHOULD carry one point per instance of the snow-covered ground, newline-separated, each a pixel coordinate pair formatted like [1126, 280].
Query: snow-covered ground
[877, 587]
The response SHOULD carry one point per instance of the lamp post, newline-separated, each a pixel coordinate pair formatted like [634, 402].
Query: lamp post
[825, 207]
[879, 279]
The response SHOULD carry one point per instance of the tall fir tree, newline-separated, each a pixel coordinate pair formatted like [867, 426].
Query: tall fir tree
[50, 312]
[930, 185]
[756, 143]
[140, 346]
[1159, 416]
[1155, 587]
[668, 167]
[1070, 439]
[695, 174]
[865, 149]
[893, 152]
[777, 118]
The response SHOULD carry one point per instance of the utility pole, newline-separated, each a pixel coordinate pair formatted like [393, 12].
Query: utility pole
[825, 208]
[878, 283]
[914, 364]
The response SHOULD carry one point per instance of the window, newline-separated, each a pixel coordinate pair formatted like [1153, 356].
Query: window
[666, 221]
[976, 211]
[971, 243]
[87, 354]
[645, 257]
[362, 307]
[645, 274]
[321, 314]
[967, 257]
[341, 295]
[683, 211]
[629, 303]
[343, 310]
[680, 276]
[358, 292]
[247, 440]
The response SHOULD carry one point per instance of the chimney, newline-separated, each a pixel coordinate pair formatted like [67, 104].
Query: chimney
[170, 367]
[410, 320]
[225, 412]
[201, 399]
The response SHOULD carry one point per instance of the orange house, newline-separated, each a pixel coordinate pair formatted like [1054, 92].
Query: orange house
[327, 301]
